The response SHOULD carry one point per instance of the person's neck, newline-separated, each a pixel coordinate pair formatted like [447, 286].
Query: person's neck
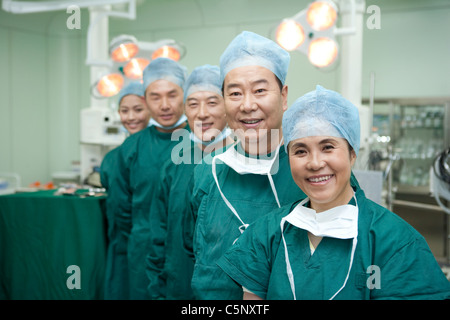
[215, 146]
[343, 199]
[184, 124]
[260, 147]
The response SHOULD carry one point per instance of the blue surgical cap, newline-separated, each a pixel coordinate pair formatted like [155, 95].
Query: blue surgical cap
[164, 69]
[203, 78]
[322, 112]
[251, 49]
[134, 87]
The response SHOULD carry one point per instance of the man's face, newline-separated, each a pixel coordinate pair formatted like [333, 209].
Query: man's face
[206, 114]
[254, 105]
[165, 100]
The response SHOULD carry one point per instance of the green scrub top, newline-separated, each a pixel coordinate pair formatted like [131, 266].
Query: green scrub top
[392, 260]
[216, 227]
[168, 266]
[141, 157]
[116, 269]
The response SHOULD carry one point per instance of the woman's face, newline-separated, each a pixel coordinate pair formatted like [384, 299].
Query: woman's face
[321, 167]
[134, 113]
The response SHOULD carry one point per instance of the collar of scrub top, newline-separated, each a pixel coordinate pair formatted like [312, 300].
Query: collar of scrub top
[182, 119]
[351, 233]
[223, 135]
[231, 158]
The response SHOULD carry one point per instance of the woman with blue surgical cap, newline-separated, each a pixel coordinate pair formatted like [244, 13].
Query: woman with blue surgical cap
[169, 267]
[335, 244]
[140, 159]
[134, 115]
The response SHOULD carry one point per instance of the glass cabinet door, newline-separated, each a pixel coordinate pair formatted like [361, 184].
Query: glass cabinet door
[418, 135]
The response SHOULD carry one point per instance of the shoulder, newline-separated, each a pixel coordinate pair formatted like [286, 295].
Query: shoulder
[385, 223]
[267, 229]
[111, 155]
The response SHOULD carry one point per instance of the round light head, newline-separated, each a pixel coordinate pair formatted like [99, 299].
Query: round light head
[289, 35]
[322, 52]
[167, 52]
[135, 67]
[123, 48]
[110, 85]
[321, 15]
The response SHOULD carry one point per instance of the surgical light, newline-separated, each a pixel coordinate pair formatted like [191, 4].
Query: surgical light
[290, 34]
[167, 52]
[322, 52]
[135, 67]
[321, 15]
[313, 32]
[129, 59]
[110, 85]
[123, 48]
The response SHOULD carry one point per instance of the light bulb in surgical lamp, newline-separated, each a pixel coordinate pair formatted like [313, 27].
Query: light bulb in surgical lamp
[290, 35]
[124, 52]
[110, 84]
[321, 15]
[167, 52]
[122, 48]
[135, 67]
[322, 52]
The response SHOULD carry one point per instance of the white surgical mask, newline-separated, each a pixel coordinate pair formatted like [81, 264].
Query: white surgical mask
[339, 222]
[182, 119]
[246, 165]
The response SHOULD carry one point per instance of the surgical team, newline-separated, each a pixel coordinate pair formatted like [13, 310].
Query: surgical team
[266, 208]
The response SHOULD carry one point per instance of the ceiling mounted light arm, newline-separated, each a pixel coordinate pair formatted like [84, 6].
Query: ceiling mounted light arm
[351, 29]
[130, 14]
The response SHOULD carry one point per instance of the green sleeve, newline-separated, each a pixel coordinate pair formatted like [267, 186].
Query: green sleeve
[120, 190]
[248, 261]
[158, 232]
[412, 273]
[189, 218]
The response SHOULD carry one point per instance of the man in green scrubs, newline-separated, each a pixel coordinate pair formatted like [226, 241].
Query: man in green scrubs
[227, 195]
[169, 267]
[336, 244]
[140, 159]
[134, 116]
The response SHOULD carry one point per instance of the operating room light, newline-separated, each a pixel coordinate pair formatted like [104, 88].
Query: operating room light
[129, 59]
[110, 84]
[312, 31]
[290, 35]
[322, 52]
[135, 67]
[321, 15]
[167, 52]
[124, 52]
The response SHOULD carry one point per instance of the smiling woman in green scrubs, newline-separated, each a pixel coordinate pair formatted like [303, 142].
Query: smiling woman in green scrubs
[336, 244]
[134, 116]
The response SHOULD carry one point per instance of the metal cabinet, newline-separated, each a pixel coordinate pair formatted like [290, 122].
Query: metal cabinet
[407, 136]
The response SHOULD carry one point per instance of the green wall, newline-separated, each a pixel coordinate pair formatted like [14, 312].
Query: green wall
[44, 82]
